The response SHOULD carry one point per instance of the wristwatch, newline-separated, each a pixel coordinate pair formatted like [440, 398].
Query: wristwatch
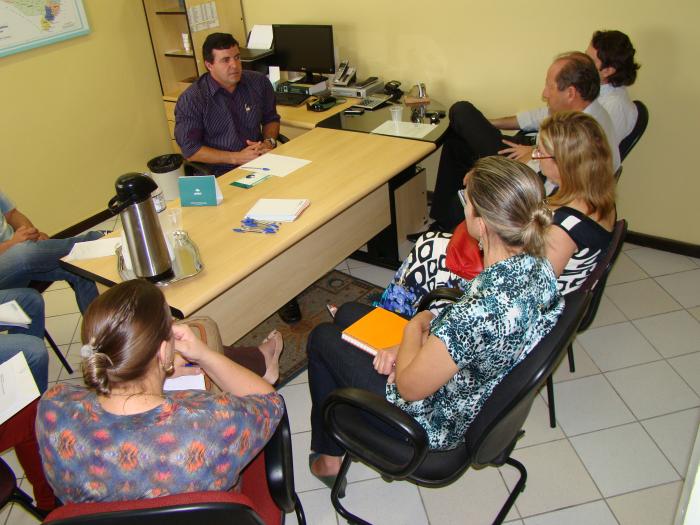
[271, 141]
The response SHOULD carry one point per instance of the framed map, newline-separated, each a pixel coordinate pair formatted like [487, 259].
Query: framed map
[26, 24]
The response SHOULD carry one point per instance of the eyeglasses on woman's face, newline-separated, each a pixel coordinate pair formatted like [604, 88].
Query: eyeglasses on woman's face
[538, 154]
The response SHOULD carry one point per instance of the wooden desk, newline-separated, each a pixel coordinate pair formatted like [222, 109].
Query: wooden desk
[302, 118]
[247, 277]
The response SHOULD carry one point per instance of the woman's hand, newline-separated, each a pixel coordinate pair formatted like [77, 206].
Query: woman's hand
[187, 344]
[184, 367]
[385, 359]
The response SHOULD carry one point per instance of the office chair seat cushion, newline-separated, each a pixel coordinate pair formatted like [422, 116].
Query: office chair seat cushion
[8, 482]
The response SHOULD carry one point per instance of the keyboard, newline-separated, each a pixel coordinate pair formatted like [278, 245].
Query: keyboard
[290, 99]
[372, 101]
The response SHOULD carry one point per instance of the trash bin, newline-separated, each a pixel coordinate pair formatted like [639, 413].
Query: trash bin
[165, 170]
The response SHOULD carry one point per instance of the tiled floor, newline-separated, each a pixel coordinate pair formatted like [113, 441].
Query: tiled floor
[627, 418]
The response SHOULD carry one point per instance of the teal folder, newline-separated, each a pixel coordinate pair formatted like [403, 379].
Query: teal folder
[199, 191]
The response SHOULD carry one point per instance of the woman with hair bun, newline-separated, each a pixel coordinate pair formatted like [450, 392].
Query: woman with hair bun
[123, 437]
[446, 366]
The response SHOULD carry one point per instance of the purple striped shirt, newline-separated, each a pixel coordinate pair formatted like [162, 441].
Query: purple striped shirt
[208, 115]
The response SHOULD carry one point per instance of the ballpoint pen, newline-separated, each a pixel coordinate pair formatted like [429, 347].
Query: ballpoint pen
[254, 168]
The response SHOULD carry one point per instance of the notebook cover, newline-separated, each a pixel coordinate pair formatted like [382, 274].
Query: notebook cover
[198, 191]
[377, 330]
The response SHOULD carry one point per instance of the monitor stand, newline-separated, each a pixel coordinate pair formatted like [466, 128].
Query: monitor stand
[310, 78]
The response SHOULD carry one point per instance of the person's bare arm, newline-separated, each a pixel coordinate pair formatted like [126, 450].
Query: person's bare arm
[510, 122]
[229, 376]
[24, 230]
[209, 155]
[560, 248]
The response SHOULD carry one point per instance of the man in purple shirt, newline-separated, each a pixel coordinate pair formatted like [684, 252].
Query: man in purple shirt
[228, 116]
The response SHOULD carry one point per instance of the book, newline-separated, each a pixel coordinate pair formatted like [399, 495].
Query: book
[277, 210]
[378, 330]
[11, 314]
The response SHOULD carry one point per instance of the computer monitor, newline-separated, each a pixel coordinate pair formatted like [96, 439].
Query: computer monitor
[307, 48]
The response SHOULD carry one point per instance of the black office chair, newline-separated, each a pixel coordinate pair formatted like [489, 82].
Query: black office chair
[11, 493]
[639, 128]
[355, 419]
[210, 508]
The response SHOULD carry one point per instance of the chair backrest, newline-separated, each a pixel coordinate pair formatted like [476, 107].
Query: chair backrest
[279, 467]
[640, 126]
[493, 433]
[595, 282]
[195, 508]
[8, 482]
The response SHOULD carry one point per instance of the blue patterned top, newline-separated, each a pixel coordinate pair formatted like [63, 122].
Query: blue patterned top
[504, 313]
[194, 441]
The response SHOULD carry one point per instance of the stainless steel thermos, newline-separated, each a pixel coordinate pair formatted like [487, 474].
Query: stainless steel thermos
[144, 236]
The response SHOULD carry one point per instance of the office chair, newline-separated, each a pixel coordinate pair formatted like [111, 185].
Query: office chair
[11, 493]
[267, 493]
[639, 128]
[355, 419]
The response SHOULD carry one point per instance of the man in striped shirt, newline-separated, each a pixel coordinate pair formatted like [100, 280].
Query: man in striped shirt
[228, 116]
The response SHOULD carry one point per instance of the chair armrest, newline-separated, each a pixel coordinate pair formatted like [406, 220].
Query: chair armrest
[441, 293]
[197, 168]
[279, 467]
[374, 431]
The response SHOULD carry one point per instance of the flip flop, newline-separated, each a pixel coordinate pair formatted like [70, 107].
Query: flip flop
[328, 481]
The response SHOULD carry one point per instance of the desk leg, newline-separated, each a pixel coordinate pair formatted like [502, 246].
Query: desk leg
[383, 249]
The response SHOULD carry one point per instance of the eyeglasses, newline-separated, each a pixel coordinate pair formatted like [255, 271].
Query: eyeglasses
[462, 198]
[538, 155]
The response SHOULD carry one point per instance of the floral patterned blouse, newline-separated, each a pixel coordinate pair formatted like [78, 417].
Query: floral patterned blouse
[503, 314]
[194, 441]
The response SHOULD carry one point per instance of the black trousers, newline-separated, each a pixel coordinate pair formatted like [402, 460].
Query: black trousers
[469, 137]
[333, 363]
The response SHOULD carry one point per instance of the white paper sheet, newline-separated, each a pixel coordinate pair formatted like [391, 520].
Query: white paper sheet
[17, 386]
[404, 129]
[277, 210]
[260, 37]
[277, 165]
[195, 382]
[12, 314]
[91, 249]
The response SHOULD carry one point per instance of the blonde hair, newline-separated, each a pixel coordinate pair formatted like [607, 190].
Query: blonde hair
[509, 196]
[582, 154]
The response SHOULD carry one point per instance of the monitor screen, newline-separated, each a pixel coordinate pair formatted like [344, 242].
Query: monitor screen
[306, 48]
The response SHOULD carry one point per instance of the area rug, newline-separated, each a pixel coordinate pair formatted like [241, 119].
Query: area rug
[334, 288]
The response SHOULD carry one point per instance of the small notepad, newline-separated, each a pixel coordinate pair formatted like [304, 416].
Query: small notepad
[202, 190]
[277, 210]
[378, 330]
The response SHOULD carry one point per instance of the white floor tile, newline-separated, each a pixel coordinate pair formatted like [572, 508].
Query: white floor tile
[589, 404]
[654, 506]
[688, 366]
[629, 246]
[4, 513]
[607, 314]
[537, 429]
[476, 498]
[617, 346]
[596, 512]
[298, 401]
[62, 328]
[377, 501]
[695, 312]
[675, 435]
[9, 457]
[653, 389]
[19, 516]
[553, 469]
[672, 334]
[318, 508]
[301, 378]
[303, 479]
[656, 262]
[373, 274]
[641, 298]
[623, 459]
[58, 285]
[583, 363]
[343, 267]
[684, 287]
[625, 270]
[60, 302]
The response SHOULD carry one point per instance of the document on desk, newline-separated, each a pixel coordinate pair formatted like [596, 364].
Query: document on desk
[17, 386]
[409, 130]
[91, 249]
[277, 165]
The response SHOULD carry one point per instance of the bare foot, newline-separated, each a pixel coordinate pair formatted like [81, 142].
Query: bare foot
[326, 465]
[271, 348]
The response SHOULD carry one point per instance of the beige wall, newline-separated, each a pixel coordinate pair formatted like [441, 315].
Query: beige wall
[77, 114]
[496, 53]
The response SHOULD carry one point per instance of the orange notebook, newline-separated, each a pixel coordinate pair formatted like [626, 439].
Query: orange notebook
[377, 330]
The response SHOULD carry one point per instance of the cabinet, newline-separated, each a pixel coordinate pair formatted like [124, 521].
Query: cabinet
[167, 21]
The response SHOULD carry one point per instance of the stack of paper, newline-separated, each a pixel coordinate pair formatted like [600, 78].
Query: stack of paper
[273, 164]
[11, 314]
[277, 210]
[378, 330]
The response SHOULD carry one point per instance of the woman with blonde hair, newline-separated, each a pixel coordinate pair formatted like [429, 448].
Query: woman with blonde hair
[123, 437]
[574, 155]
[446, 366]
